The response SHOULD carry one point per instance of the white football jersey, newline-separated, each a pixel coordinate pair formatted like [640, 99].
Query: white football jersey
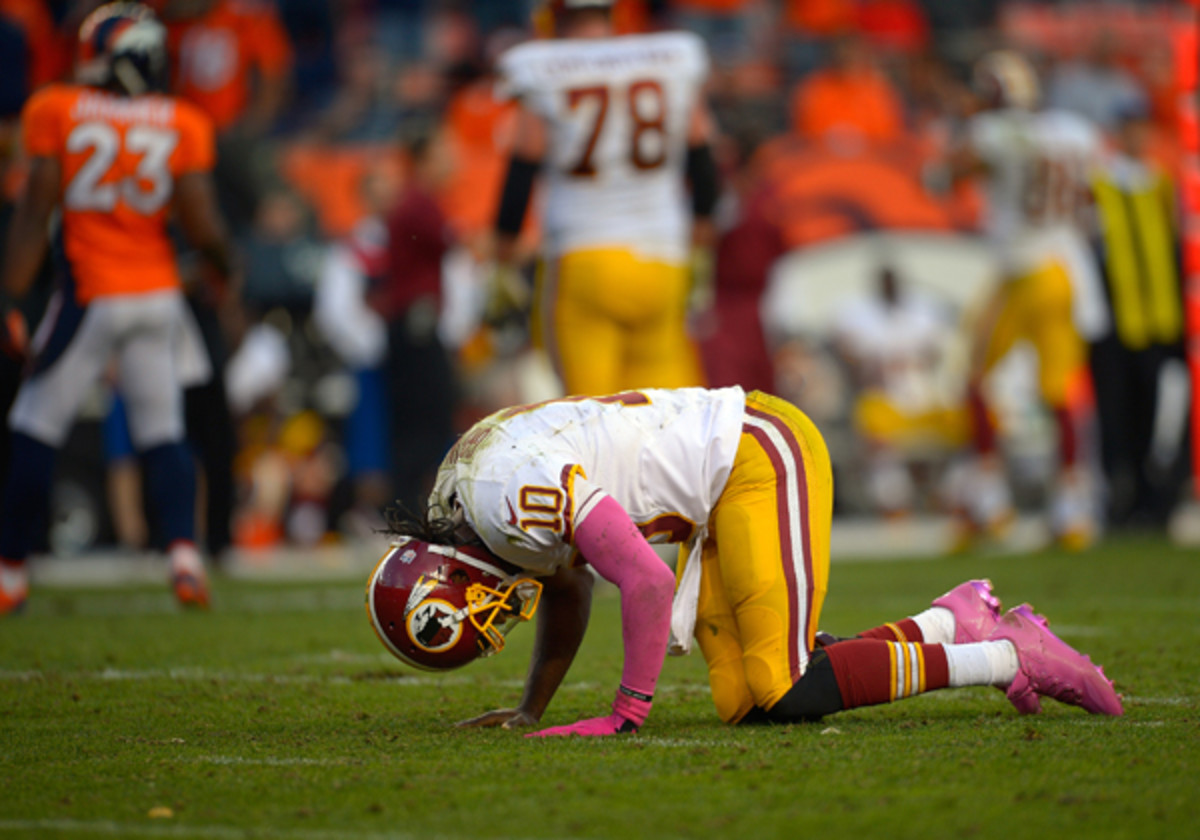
[618, 111]
[1038, 196]
[898, 345]
[526, 476]
[1040, 165]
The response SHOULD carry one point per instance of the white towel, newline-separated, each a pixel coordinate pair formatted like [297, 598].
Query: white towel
[687, 596]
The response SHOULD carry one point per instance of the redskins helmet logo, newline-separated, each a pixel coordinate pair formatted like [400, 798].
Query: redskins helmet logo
[432, 625]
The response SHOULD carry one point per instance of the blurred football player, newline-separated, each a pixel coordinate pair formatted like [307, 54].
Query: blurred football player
[618, 128]
[113, 157]
[1035, 168]
[892, 341]
[744, 480]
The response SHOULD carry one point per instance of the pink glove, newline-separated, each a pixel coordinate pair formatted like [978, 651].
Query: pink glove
[630, 709]
[614, 724]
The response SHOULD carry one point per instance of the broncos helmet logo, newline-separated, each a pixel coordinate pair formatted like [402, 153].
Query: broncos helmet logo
[123, 45]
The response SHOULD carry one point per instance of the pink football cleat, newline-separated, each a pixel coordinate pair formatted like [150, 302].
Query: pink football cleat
[1052, 668]
[976, 613]
[976, 610]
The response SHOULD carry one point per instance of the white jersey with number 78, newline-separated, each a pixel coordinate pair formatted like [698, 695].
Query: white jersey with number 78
[617, 111]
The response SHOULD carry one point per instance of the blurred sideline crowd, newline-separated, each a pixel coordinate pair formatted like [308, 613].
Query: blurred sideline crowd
[361, 153]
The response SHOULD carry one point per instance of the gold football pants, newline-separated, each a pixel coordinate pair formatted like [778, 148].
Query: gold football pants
[766, 560]
[1037, 307]
[611, 321]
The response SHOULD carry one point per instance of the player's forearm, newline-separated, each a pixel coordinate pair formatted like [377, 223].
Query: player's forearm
[514, 201]
[24, 251]
[562, 620]
[196, 206]
[705, 182]
[217, 254]
[612, 544]
[28, 230]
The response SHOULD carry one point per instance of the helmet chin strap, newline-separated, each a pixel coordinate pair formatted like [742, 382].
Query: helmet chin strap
[128, 77]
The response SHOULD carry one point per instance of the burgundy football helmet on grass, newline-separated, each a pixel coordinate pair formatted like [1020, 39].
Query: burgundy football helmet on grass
[438, 607]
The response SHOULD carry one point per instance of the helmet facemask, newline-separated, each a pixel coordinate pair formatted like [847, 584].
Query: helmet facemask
[494, 612]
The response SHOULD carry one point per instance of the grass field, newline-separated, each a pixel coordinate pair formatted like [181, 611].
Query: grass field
[279, 714]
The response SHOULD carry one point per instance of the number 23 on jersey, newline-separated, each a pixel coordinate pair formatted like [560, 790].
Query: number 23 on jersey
[100, 182]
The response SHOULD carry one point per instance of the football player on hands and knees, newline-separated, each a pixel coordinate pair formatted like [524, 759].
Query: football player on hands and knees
[532, 500]
[114, 156]
[618, 132]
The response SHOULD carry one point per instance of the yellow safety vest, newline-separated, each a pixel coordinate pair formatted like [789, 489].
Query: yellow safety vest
[1139, 244]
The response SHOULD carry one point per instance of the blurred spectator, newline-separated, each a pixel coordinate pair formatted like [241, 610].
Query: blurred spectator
[311, 26]
[234, 60]
[490, 16]
[253, 378]
[358, 334]
[727, 26]
[363, 106]
[287, 468]
[281, 257]
[400, 26]
[1096, 85]
[810, 27]
[749, 241]
[849, 103]
[892, 342]
[1137, 365]
[422, 382]
[893, 26]
[123, 481]
[478, 126]
[958, 24]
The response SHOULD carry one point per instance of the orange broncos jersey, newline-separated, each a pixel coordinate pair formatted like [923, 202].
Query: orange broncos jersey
[120, 157]
[218, 53]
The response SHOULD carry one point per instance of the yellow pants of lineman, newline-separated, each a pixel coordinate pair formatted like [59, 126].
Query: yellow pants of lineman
[1037, 307]
[611, 321]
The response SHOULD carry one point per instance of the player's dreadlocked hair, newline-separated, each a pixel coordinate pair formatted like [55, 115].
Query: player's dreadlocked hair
[439, 530]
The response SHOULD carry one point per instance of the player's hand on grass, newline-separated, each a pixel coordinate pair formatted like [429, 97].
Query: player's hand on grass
[612, 724]
[504, 718]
